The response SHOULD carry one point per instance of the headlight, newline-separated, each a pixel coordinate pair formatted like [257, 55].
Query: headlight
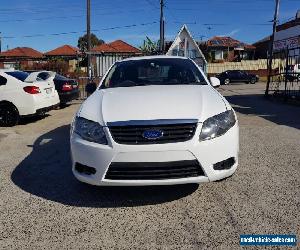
[89, 130]
[217, 125]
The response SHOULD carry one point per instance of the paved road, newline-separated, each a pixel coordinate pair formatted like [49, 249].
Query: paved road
[43, 206]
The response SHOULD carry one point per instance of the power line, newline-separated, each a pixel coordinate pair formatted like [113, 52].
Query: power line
[83, 31]
[67, 17]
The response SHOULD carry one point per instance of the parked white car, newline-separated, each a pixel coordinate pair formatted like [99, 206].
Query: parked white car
[154, 121]
[22, 94]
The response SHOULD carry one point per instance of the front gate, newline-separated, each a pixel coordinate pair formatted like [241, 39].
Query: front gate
[285, 75]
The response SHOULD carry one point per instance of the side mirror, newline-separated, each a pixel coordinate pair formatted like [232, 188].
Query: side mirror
[215, 82]
[90, 88]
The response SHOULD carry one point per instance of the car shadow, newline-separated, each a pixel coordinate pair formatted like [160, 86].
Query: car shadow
[274, 111]
[46, 173]
[32, 119]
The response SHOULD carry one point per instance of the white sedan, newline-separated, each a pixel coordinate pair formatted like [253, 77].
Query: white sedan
[154, 121]
[22, 94]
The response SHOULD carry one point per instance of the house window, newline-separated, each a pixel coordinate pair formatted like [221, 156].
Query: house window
[176, 52]
[181, 52]
[192, 53]
[218, 55]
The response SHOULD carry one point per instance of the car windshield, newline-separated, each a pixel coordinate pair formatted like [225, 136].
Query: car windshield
[159, 71]
[20, 75]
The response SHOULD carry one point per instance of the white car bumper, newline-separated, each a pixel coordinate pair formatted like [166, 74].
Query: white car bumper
[34, 104]
[206, 153]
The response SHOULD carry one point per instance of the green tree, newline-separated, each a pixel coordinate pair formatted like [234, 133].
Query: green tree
[82, 42]
[149, 47]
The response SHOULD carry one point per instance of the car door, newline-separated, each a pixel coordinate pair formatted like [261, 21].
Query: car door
[233, 76]
[243, 76]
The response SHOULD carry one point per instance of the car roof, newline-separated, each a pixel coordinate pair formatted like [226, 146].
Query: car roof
[31, 71]
[152, 57]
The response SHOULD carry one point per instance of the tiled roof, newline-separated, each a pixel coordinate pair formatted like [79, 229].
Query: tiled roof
[104, 48]
[22, 52]
[65, 50]
[226, 41]
[116, 46]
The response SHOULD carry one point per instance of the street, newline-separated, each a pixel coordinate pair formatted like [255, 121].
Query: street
[43, 206]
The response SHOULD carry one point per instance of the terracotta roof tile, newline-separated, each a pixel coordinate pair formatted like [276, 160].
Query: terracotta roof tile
[226, 41]
[22, 52]
[104, 48]
[65, 50]
[116, 46]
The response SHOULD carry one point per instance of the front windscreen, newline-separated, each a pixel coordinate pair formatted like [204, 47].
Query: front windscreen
[159, 71]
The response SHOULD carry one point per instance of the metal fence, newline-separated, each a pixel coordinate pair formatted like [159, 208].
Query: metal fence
[285, 75]
[104, 61]
[82, 82]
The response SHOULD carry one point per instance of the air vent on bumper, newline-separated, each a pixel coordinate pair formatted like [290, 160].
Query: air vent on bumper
[153, 170]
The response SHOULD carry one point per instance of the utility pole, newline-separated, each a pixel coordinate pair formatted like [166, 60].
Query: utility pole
[88, 32]
[162, 28]
[275, 21]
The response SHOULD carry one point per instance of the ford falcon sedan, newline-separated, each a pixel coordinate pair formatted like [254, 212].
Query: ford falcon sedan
[154, 120]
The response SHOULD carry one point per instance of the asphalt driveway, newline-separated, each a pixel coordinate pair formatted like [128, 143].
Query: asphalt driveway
[43, 206]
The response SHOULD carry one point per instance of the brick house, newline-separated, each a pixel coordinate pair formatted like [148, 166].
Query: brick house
[20, 57]
[224, 48]
[67, 53]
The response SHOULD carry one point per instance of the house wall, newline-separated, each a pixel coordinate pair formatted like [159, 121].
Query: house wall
[287, 38]
[230, 55]
[262, 48]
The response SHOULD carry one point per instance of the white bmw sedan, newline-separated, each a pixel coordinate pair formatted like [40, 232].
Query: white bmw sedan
[154, 121]
[23, 94]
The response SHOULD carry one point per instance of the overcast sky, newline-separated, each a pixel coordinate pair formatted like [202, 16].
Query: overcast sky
[44, 25]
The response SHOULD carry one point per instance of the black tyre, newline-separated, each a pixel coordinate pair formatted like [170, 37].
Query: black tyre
[253, 81]
[9, 115]
[226, 81]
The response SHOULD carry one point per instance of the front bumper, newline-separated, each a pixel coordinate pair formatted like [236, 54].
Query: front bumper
[207, 153]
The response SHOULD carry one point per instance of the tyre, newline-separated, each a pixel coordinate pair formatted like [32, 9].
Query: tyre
[9, 115]
[253, 81]
[226, 81]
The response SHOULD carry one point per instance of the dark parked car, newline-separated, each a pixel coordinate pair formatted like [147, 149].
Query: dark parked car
[229, 76]
[67, 88]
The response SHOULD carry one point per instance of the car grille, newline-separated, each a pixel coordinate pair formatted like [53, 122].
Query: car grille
[133, 134]
[153, 170]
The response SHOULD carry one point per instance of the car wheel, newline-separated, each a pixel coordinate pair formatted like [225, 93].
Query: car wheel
[9, 115]
[226, 81]
[253, 81]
